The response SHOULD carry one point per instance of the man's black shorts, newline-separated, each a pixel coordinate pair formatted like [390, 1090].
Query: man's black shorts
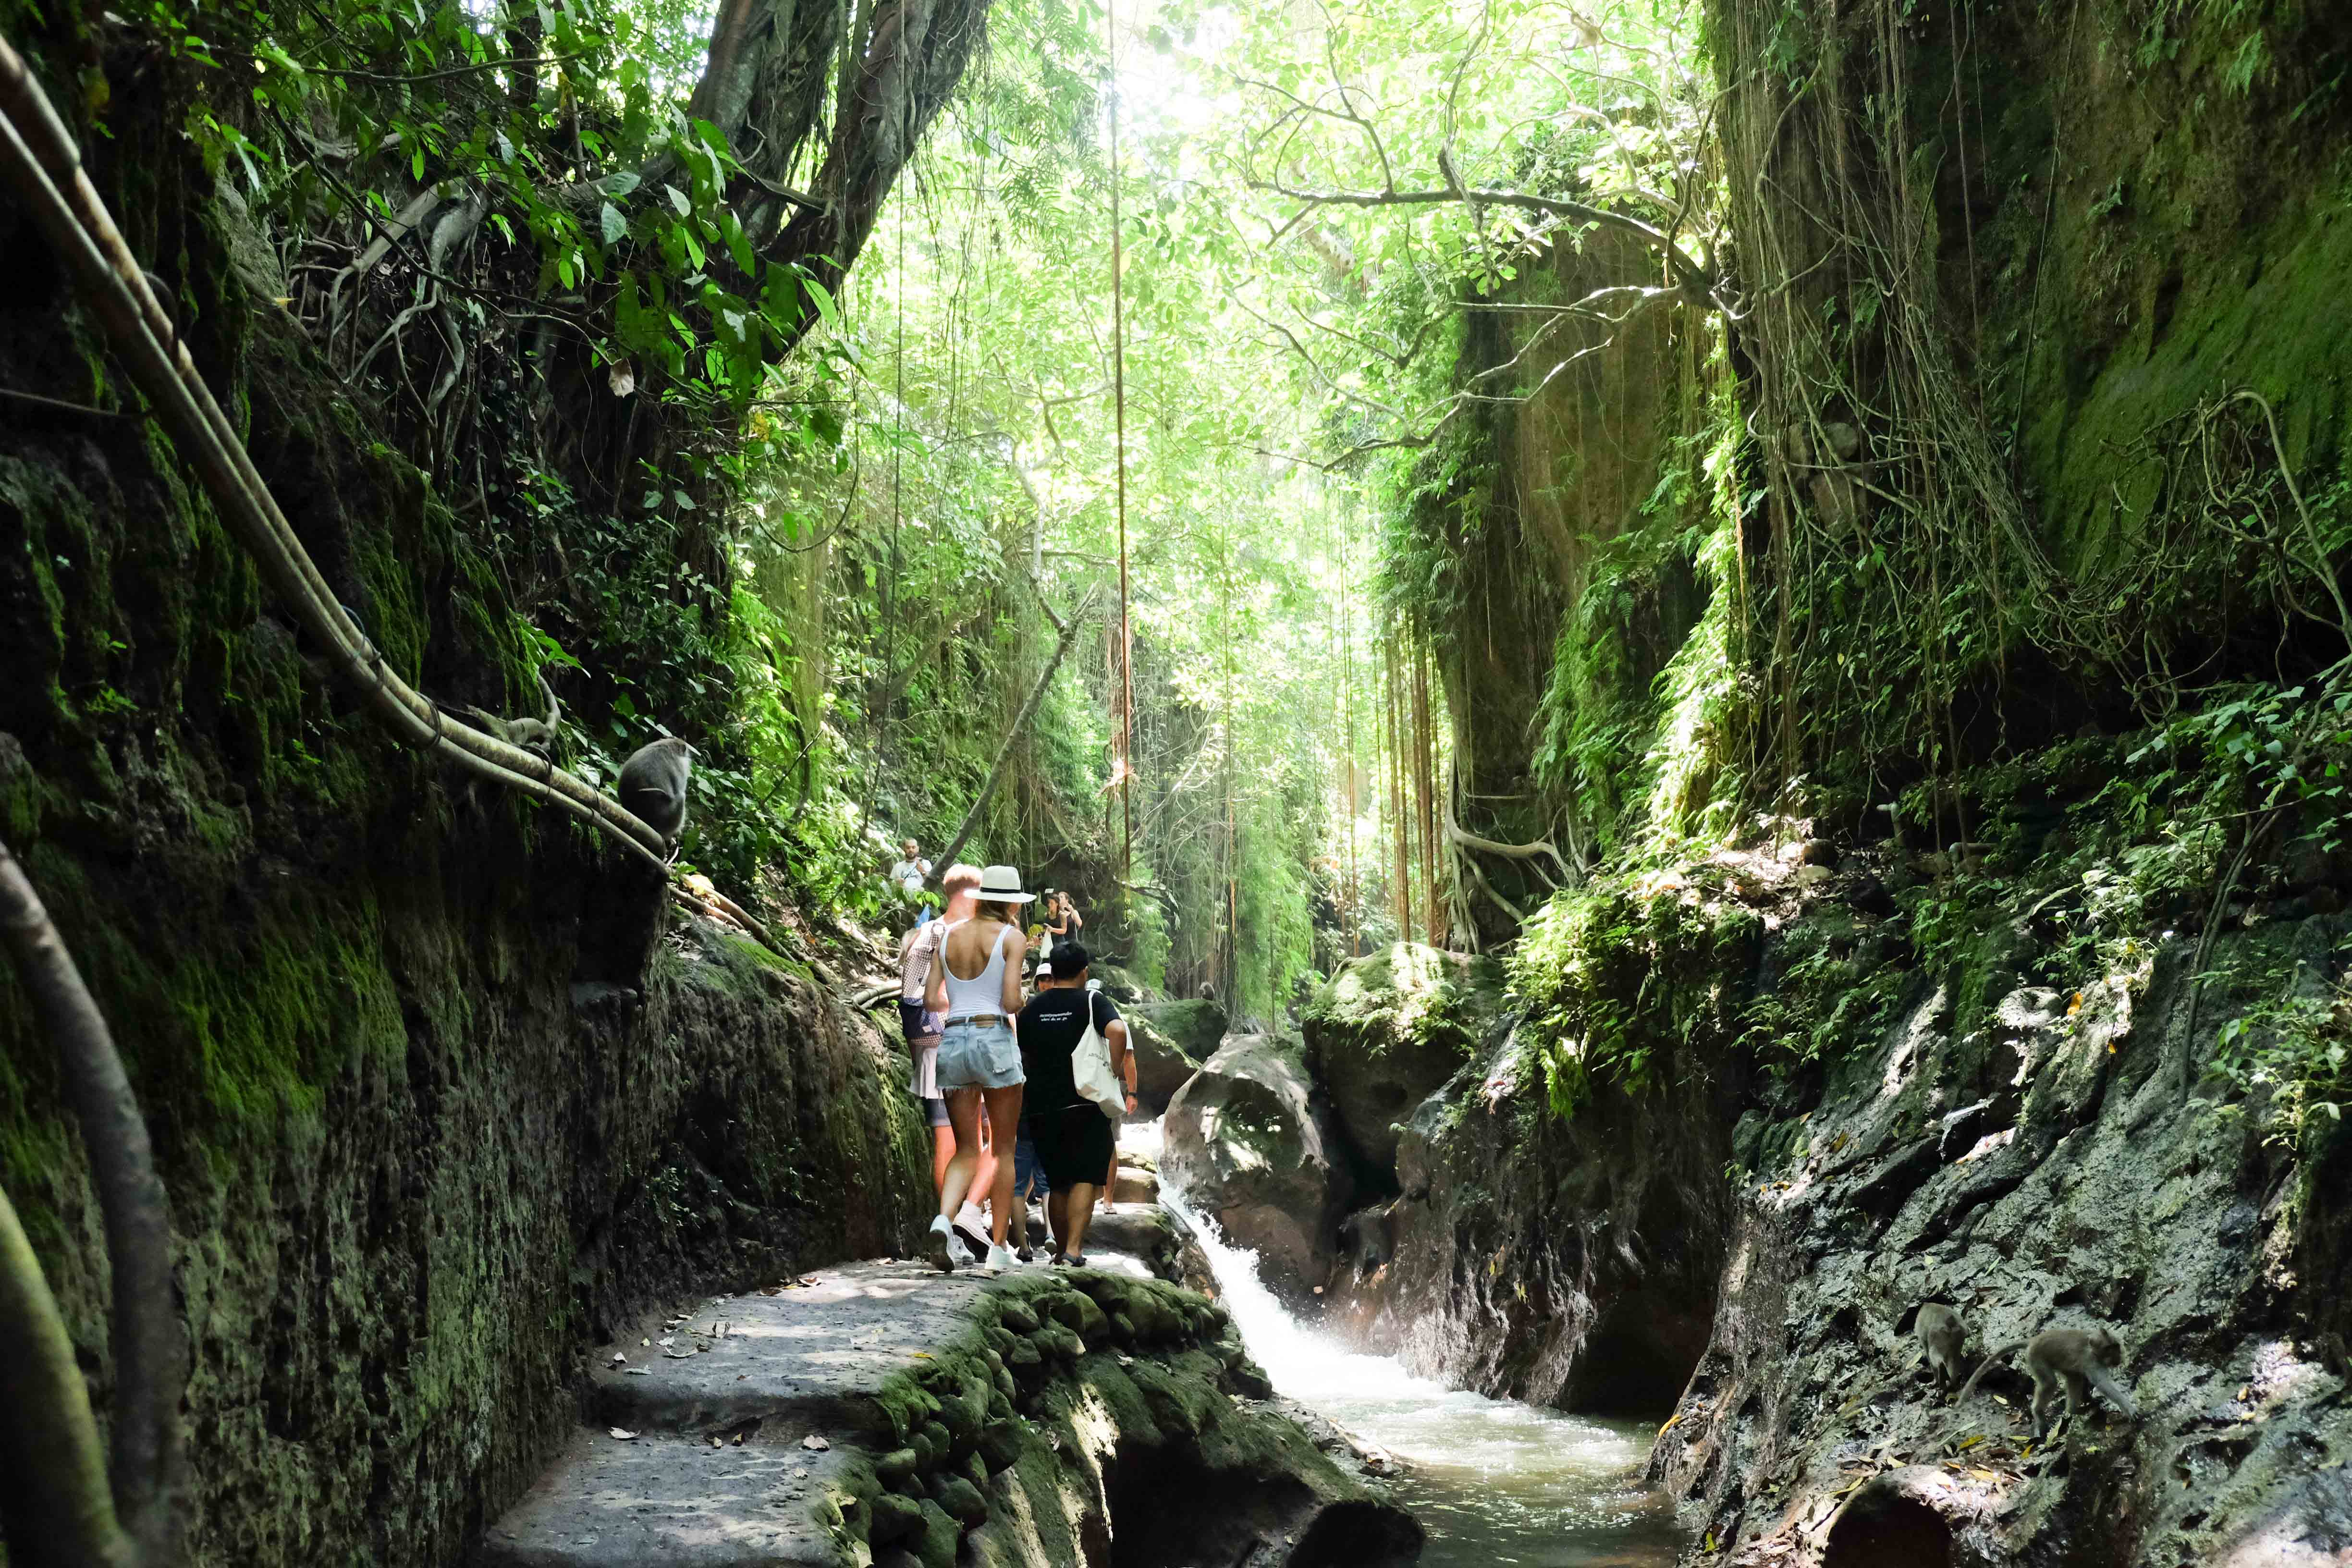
[1074, 1145]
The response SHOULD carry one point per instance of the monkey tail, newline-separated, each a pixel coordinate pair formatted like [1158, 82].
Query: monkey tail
[1991, 1359]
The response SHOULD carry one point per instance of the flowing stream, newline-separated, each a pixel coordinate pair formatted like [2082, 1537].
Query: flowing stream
[1494, 1481]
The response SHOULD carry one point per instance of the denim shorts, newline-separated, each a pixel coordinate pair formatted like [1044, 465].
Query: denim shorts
[973, 1055]
[1028, 1175]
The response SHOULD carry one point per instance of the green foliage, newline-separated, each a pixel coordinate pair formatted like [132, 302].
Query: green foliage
[1617, 977]
[1406, 992]
[2290, 1053]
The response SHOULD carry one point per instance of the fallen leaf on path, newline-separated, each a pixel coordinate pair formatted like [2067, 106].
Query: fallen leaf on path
[717, 1444]
[814, 1444]
[625, 1434]
[620, 1360]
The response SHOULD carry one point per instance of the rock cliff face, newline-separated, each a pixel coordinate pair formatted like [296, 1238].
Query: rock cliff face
[438, 1092]
[1745, 1241]
[2052, 1166]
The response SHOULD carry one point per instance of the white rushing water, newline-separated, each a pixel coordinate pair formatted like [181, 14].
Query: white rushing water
[1494, 1481]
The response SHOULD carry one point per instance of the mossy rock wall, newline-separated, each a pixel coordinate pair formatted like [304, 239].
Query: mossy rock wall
[1387, 1031]
[428, 1113]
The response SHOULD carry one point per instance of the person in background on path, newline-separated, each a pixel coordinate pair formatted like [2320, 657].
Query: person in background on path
[1074, 1139]
[921, 1026]
[1063, 922]
[1028, 1184]
[909, 874]
[975, 987]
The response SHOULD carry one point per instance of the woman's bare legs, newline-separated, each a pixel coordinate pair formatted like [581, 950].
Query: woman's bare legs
[983, 1175]
[963, 1119]
[943, 1148]
[1003, 1111]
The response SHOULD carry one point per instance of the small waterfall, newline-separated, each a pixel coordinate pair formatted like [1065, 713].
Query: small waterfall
[1495, 1482]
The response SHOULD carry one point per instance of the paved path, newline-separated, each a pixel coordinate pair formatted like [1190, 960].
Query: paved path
[717, 1434]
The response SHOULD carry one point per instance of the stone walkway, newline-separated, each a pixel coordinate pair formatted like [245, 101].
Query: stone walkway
[752, 1430]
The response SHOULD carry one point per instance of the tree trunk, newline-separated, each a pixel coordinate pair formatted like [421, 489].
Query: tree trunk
[1020, 723]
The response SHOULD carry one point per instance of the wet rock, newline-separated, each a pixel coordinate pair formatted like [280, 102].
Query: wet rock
[1171, 1040]
[895, 1517]
[935, 1546]
[1247, 1144]
[1389, 1030]
[1000, 1448]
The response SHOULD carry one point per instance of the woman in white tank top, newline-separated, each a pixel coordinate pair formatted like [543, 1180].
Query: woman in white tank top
[979, 1059]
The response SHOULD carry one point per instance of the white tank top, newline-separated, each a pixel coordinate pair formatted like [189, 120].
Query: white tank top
[985, 992]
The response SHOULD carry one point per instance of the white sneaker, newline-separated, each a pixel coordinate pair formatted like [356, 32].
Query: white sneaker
[941, 1249]
[963, 1255]
[1000, 1258]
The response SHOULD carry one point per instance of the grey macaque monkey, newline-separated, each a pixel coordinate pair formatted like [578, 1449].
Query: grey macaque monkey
[1942, 1340]
[534, 735]
[653, 786]
[2071, 1359]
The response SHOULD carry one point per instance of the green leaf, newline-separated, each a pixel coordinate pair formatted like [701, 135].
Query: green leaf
[825, 305]
[616, 228]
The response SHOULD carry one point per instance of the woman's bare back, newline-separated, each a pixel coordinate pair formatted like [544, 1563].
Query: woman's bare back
[969, 945]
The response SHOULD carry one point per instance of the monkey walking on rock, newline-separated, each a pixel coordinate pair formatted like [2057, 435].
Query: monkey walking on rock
[653, 787]
[2067, 1358]
[1943, 1339]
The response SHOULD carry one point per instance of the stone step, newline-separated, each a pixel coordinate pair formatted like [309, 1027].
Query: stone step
[737, 1429]
[673, 1500]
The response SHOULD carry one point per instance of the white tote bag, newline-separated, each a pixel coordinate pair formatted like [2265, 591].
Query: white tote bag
[1090, 1069]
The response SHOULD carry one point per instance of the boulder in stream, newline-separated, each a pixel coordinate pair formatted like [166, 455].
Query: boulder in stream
[1250, 1145]
[1171, 1040]
[1387, 1033]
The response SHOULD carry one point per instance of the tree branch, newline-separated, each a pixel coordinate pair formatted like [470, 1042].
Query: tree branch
[53, 1495]
[1696, 279]
[1013, 735]
[150, 1345]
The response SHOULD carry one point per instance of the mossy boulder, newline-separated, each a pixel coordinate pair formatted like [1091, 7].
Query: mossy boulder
[1250, 1144]
[1388, 1031]
[1171, 1040]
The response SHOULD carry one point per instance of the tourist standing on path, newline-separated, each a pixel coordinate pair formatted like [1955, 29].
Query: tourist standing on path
[1063, 921]
[1074, 1139]
[975, 987]
[920, 1025]
[910, 873]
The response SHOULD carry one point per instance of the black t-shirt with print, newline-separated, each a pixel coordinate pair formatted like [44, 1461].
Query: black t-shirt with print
[1051, 1027]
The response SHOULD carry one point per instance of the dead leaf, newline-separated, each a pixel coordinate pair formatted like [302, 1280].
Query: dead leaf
[620, 1360]
[2245, 1394]
[814, 1444]
[625, 1434]
[623, 379]
[716, 1443]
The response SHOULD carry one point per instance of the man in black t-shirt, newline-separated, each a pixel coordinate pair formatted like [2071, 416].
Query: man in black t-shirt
[1074, 1139]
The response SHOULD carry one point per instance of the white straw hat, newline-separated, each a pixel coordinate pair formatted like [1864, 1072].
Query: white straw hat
[1001, 885]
